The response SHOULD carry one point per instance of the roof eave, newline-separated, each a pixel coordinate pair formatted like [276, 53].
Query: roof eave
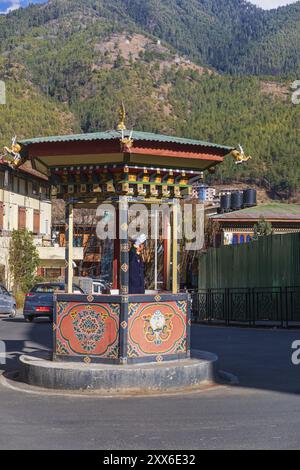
[116, 136]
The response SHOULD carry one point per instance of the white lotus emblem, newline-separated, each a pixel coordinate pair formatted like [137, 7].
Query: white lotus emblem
[157, 323]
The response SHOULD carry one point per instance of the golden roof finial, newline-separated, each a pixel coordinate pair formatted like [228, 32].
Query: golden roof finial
[12, 154]
[122, 117]
[240, 156]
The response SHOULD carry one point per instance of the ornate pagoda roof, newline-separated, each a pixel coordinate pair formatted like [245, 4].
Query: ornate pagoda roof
[117, 135]
[116, 147]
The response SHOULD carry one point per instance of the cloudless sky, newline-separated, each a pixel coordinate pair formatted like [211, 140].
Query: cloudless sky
[9, 5]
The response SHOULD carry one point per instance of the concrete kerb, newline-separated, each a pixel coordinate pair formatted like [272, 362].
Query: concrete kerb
[201, 370]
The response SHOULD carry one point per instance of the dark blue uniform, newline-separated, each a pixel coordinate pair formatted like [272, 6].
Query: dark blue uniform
[136, 273]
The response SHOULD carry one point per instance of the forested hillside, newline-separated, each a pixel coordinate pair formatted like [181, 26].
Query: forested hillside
[230, 35]
[27, 110]
[166, 60]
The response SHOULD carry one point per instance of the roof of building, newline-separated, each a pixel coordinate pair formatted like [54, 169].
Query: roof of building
[271, 212]
[27, 169]
[112, 135]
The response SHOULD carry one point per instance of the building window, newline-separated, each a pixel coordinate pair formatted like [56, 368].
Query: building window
[16, 184]
[36, 222]
[35, 189]
[22, 187]
[29, 188]
[44, 192]
[46, 227]
[22, 218]
[7, 179]
[249, 239]
[52, 273]
[1, 180]
[242, 239]
[235, 239]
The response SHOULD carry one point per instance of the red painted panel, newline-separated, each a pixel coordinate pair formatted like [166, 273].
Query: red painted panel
[73, 148]
[87, 329]
[157, 329]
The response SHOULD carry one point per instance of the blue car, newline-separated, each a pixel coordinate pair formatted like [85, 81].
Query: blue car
[39, 301]
[7, 303]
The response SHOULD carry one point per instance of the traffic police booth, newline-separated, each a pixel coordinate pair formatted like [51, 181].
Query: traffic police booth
[122, 168]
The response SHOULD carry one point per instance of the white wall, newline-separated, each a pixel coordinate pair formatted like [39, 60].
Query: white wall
[13, 201]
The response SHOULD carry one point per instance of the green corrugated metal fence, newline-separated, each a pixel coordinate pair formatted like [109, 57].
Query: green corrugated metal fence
[269, 262]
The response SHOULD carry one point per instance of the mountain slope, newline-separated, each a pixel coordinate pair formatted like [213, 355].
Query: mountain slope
[230, 35]
[82, 58]
[27, 110]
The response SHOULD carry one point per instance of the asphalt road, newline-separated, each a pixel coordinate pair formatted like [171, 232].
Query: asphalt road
[262, 412]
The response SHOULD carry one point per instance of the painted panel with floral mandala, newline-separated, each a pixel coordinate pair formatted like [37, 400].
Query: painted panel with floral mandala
[87, 329]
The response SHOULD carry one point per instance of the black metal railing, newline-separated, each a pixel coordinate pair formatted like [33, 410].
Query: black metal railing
[250, 306]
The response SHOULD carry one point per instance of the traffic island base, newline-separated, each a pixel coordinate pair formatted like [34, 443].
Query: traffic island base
[39, 371]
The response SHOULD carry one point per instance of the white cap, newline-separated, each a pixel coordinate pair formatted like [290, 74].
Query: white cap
[140, 240]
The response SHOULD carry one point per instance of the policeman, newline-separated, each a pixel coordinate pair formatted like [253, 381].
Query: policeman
[137, 267]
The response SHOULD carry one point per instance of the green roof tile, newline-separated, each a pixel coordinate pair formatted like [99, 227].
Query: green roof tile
[111, 135]
[267, 211]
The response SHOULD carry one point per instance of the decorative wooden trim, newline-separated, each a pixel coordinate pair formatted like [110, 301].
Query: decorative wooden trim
[124, 276]
[175, 154]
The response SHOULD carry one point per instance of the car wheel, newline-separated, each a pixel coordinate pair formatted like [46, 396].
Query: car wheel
[13, 312]
[29, 319]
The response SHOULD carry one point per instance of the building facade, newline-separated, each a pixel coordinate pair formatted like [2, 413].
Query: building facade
[24, 203]
[237, 227]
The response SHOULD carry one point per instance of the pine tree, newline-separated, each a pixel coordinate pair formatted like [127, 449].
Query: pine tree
[23, 260]
[262, 229]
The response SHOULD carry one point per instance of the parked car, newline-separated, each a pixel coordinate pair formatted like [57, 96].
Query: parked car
[93, 286]
[39, 301]
[8, 305]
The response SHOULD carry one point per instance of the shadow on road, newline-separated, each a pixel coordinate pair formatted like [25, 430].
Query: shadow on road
[260, 358]
[23, 338]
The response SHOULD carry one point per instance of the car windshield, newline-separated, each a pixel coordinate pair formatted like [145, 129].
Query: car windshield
[51, 288]
[48, 289]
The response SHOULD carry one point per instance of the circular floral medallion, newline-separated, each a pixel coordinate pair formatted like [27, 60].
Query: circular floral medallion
[89, 329]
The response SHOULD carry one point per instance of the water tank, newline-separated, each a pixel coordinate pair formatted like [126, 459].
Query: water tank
[237, 199]
[202, 192]
[250, 198]
[225, 202]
